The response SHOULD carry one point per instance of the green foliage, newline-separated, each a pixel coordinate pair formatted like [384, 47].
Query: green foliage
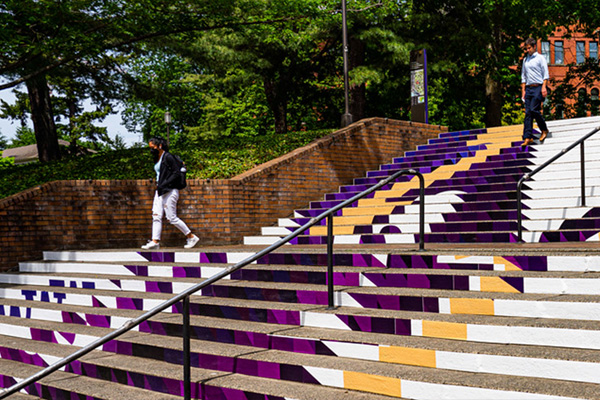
[23, 137]
[214, 159]
[7, 162]
[3, 142]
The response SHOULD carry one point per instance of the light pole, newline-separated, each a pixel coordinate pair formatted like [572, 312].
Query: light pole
[347, 117]
[168, 122]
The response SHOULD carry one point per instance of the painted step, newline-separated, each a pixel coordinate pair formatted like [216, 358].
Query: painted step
[141, 372]
[65, 386]
[367, 375]
[573, 365]
[385, 259]
[161, 279]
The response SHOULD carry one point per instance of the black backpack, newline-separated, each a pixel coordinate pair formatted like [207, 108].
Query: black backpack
[180, 172]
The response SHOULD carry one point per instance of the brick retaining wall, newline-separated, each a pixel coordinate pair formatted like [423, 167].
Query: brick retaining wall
[117, 214]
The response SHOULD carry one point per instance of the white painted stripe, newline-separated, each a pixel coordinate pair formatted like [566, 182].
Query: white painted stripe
[49, 359]
[160, 271]
[319, 320]
[543, 225]
[15, 331]
[538, 336]
[288, 222]
[187, 257]
[416, 327]
[68, 267]
[346, 239]
[556, 213]
[260, 240]
[71, 298]
[382, 258]
[475, 283]
[275, 231]
[111, 302]
[451, 259]
[444, 305]
[499, 267]
[594, 238]
[578, 264]
[562, 286]
[353, 350]
[234, 258]
[436, 391]
[93, 256]
[327, 376]
[520, 366]
[547, 309]
[399, 238]
[346, 300]
[363, 281]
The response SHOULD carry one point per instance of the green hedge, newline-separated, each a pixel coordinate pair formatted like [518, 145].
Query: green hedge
[217, 159]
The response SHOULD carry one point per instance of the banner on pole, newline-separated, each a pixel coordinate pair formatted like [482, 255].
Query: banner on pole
[418, 86]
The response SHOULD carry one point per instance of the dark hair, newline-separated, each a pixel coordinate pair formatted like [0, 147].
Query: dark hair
[160, 142]
[531, 42]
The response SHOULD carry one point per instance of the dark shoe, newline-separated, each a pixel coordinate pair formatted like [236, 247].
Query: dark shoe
[543, 136]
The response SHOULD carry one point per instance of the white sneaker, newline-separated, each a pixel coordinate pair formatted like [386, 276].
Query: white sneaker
[191, 242]
[151, 245]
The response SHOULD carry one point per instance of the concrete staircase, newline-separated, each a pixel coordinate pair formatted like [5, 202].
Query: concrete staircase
[471, 179]
[475, 320]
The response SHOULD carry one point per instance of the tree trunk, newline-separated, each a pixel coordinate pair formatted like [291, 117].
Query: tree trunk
[493, 88]
[493, 102]
[277, 98]
[358, 93]
[43, 119]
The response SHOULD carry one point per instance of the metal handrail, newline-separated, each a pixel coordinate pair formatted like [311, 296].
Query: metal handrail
[184, 296]
[544, 165]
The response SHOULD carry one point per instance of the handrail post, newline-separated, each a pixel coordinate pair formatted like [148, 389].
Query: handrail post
[582, 158]
[187, 384]
[330, 261]
[519, 209]
[421, 212]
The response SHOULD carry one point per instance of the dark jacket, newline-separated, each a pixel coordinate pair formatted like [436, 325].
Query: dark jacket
[168, 174]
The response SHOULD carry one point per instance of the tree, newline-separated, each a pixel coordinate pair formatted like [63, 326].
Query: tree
[3, 142]
[478, 41]
[44, 39]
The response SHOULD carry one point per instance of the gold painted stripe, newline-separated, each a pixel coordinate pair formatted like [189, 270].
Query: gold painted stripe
[445, 330]
[353, 220]
[495, 284]
[495, 139]
[372, 383]
[472, 306]
[505, 129]
[407, 356]
[508, 266]
[337, 230]
[354, 211]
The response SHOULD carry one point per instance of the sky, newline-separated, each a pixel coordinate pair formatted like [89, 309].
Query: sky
[113, 123]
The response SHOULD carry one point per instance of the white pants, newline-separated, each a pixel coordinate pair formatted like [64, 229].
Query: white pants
[166, 204]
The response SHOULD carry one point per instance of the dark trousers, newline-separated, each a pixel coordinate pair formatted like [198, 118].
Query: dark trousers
[533, 106]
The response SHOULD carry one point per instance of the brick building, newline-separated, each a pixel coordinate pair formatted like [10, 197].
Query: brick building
[562, 53]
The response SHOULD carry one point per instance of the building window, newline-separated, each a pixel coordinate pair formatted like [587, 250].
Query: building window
[594, 101]
[581, 106]
[546, 51]
[580, 52]
[594, 50]
[558, 52]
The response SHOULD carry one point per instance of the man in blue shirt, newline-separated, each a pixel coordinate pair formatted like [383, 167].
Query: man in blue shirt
[534, 77]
